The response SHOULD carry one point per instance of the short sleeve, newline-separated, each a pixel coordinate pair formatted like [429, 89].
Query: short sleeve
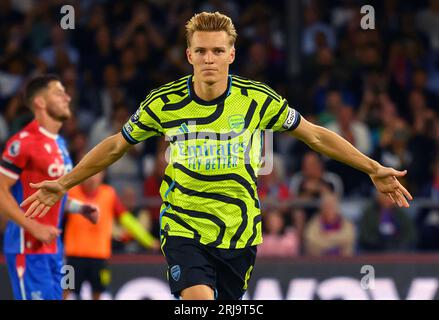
[279, 116]
[14, 157]
[142, 125]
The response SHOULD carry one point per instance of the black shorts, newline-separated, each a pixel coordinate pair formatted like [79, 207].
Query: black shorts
[226, 271]
[95, 271]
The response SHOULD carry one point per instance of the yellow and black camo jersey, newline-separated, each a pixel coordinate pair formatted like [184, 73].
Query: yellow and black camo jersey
[209, 189]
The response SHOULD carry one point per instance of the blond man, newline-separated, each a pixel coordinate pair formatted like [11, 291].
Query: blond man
[210, 218]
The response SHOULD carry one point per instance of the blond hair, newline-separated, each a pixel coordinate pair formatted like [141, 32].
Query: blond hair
[208, 21]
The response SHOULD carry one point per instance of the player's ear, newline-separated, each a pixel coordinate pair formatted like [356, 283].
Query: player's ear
[189, 55]
[232, 55]
[39, 101]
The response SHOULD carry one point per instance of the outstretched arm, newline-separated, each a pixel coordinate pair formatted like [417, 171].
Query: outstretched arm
[334, 146]
[10, 209]
[100, 157]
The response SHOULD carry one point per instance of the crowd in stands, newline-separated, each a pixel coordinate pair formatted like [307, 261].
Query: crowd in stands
[378, 88]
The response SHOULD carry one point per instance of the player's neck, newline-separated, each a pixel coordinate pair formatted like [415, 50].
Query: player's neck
[209, 92]
[48, 123]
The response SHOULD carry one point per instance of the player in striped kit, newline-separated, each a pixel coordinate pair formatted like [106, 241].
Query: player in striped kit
[210, 218]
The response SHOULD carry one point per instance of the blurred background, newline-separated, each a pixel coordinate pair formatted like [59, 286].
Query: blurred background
[378, 88]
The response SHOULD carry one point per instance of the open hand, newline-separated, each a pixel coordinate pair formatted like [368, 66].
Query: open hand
[385, 180]
[49, 193]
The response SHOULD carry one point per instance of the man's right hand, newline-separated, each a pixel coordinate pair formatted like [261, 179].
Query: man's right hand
[43, 232]
[49, 193]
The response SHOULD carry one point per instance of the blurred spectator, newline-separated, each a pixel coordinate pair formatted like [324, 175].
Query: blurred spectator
[417, 106]
[78, 146]
[12, 76]
[427, 21]
[133, 79]
[427, 219]
[272, 188]
[427, 223]
[320, 74]
[386, 228]
[377, 110]
[431, 190]
[357, 133]
[312, 182]
[333, 101]
[60, 53]
[278, 239]
[127, 170]
[423, 149]
[276, 197]
[316, 33]
[351, 129]
[393, 151]
[103, 54]
[17, 115]
[260, 24]
[405, 57]
[111, 92]
[328, 232]
[8, 14]
[105, 127]
[420, 84]
[141, 19]
[310, 185]
[257, 65]
[343, 13]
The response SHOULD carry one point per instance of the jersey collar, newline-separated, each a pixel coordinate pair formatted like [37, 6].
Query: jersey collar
[47, 133]
[221, 98]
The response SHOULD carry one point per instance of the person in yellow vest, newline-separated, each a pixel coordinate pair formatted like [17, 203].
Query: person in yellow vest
[88, 246]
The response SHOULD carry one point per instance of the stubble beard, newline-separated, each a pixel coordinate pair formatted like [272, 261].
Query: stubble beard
[59, 116]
